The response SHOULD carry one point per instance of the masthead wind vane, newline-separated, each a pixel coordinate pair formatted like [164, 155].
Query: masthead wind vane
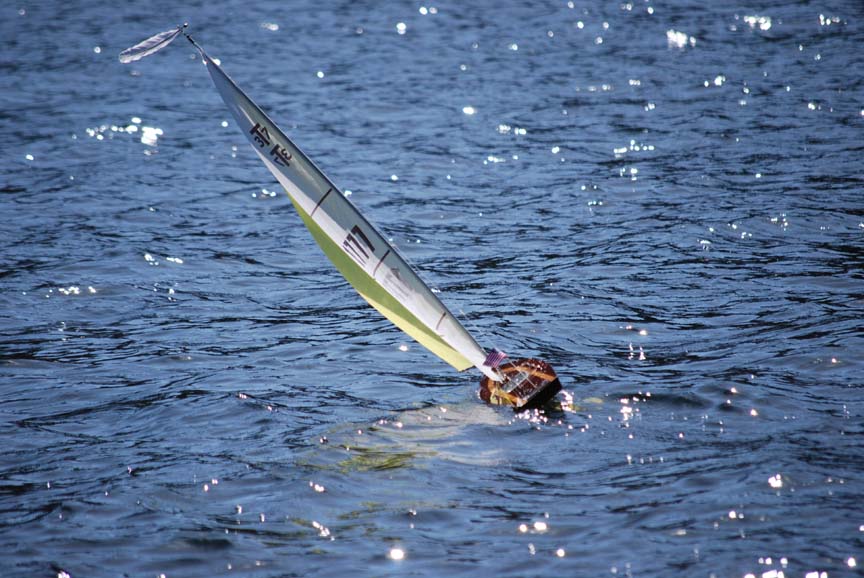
[153, 44]
[363, 255]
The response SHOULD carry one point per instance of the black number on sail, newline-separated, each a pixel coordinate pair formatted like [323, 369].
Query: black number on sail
[355, 248]
[280, 155]
[260, 135]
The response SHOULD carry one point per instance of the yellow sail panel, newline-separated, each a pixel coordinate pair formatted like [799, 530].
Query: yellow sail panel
[378, 298]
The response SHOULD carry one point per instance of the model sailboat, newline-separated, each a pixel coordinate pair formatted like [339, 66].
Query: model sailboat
[363, 256]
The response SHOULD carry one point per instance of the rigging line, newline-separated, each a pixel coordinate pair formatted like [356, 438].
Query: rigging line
[420, 272]
[486, 336]
[475, 329]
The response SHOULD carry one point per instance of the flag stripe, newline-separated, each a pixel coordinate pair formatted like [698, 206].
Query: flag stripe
[495, 358]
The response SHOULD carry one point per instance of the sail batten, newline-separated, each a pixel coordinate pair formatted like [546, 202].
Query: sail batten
[358, 250]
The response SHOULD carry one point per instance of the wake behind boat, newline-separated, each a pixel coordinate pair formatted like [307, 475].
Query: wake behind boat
[363, 255]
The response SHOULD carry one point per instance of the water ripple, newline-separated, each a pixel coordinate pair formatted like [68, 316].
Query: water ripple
[663, 201]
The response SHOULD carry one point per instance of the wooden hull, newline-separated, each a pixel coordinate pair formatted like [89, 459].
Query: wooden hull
[528, 383]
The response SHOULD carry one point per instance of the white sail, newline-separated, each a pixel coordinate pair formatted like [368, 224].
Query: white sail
[359, 251]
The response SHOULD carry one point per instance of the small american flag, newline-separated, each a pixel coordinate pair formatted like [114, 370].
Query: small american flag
[495, 358]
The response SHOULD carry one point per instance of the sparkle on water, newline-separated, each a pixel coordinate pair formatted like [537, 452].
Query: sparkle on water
[678, 39]
[396, 554]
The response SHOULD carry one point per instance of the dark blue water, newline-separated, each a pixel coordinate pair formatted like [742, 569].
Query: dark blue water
[664, 200]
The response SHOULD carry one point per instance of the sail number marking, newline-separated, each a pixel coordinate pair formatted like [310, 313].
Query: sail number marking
[358, 246]
[260, 135]
[278, 153]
